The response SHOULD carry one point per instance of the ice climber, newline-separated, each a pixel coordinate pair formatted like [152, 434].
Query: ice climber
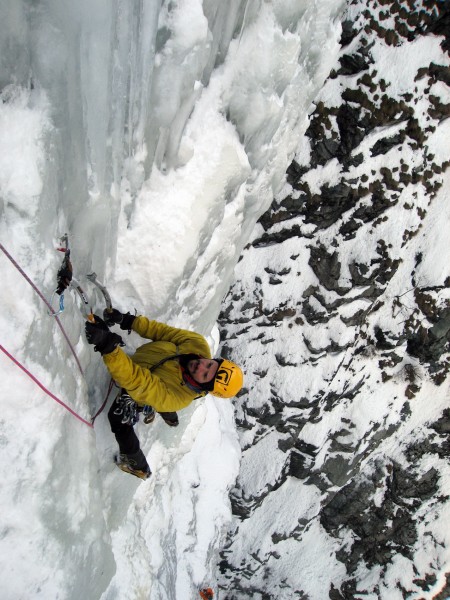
[164, 375]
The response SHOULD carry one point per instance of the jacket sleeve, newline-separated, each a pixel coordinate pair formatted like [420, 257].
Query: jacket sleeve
[156, 331]
[140, 383]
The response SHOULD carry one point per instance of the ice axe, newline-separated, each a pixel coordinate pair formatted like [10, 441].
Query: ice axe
[93, 279]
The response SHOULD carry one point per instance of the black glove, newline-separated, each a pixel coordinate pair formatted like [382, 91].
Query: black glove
[98, 333]
[115, 317]
[112, 316]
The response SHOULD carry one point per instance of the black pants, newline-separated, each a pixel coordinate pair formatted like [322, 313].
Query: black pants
[126, 438]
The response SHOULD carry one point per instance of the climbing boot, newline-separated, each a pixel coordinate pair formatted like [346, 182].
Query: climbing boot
[149, 414]
[135, 464]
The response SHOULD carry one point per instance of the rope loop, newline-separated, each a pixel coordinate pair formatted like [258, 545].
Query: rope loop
[55, 314]
[42, 297]
[43, 388]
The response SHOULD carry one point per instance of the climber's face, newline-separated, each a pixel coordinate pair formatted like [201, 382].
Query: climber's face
[203, 369]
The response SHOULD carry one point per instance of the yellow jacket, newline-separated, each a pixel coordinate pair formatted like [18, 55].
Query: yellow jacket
[164, 388]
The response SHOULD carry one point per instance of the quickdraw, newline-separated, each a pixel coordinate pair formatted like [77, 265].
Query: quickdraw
[65, 280]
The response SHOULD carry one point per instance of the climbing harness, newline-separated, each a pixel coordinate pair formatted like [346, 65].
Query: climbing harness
[127, 408]
[130, 411]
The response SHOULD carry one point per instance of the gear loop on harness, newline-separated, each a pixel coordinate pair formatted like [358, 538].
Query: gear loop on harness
[127, 408]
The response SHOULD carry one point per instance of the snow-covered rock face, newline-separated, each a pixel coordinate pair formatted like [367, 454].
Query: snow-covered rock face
[340, 316]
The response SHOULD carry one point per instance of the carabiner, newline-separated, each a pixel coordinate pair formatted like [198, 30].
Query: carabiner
[61, 305]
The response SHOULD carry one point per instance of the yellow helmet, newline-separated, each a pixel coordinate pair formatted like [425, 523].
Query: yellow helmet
[228, 380]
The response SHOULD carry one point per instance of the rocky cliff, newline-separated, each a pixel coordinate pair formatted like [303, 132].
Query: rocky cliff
[340, 315]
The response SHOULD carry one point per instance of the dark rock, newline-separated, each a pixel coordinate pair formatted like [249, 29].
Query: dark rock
[327, 268]
[429, 344]
[299, 466]
[351, 134]
[331, 347]
[295, 172]
[281, 313]
[349, 229]
[379, 531]
[325, 209]
[442, 426]
[444, 593]
[358, 272]
[325, 150]
[348, 33]
[381, 342]
[352, 64]
[427, 304]
[440, 25]
[380, 203]
[338, 470]
[269, 239]
[347, 591]
[313, 316]
[354, 161]
[272, 419]
[440, 73]
[384, 145]
[357, 318]
[427, 583]
[439, 110]
[283, 362]
[404, 486]
[332, 399]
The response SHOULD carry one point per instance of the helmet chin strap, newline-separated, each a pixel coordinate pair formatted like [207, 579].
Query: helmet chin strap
[190, 382]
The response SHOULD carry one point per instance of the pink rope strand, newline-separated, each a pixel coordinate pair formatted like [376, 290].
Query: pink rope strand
[42, 297]
[111, 383]
[16, 362]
